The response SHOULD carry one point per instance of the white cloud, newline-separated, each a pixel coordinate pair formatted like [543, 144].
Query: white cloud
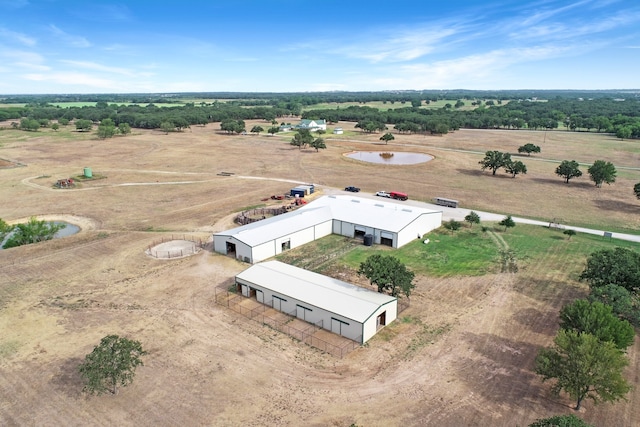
[19, 37]
[408, 46]
[75, 41]
[98, 67]
[33, 67]
[73, 79]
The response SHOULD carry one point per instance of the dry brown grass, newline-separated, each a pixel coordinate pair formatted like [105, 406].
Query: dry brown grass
[462, 355]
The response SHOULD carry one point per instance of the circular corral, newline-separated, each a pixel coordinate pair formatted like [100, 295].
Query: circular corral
[390, 157]
[172, 249]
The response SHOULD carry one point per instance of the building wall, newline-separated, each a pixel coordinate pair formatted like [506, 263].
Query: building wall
[421, 225]
[272, 247]
[370, 325]
[341, 325]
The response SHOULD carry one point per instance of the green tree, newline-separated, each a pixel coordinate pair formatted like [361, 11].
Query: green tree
[636, 190]
[257, 129]
[5, 229]
[387, 137]
[602, 171]
[597, 319]
[507, 222]
[167, 126]
[31, 125]
[233, 126]
[560, 421]
[569, 233]
[83, 125]
[624, 132]
[302, 138]
[472, 218]
[624, 304]
[568, 169]
[452, 225]
[584, 367]
[318, 143]
[620, 266]
[124, 128]
[55, 127]
[63, 121]
[494, 160]
[113, 362]
[273, 130]
[33, 231]
[515, 168]
[106, 129]
[529, 148]
[388, 274]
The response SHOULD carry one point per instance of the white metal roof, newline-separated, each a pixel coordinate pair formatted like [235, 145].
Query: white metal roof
[271, 228]
[342, 298]
[379, 214]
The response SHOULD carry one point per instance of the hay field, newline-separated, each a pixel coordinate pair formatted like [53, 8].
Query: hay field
[461, 355]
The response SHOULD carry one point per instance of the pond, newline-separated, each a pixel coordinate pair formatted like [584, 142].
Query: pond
[390, 157]
[68, 230]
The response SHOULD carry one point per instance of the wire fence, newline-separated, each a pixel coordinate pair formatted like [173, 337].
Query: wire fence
[255, 215]
[287, 323]
[175, 246]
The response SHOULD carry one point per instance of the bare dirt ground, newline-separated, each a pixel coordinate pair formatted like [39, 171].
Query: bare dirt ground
[461, 356]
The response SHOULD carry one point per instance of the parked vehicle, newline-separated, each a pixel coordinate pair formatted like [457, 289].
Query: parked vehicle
[352, 189]
[383, 194]
[398, 195]
[446, 202]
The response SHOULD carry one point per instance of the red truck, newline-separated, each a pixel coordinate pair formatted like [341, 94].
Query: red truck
[398, 195]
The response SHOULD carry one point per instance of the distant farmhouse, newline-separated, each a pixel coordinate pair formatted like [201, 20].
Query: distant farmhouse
[338, 131]
[312, 125]
[386, 223]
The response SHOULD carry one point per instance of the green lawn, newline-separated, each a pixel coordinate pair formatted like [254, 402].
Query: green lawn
[466, 252]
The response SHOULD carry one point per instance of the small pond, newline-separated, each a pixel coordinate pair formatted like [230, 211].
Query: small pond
[68, 230]
[390, 157]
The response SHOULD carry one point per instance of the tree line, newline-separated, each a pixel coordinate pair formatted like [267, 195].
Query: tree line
[596, 113]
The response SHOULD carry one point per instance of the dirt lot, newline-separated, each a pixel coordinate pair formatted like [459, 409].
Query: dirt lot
[461, 356]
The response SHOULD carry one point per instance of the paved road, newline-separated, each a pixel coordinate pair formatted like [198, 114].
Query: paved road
[459, 213]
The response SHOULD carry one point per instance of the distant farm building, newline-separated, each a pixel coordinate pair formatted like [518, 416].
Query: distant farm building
[378, 222]
[338, 131]
[342, 308]
[312, 125]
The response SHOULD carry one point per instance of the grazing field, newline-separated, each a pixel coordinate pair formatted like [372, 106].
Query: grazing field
[461, 355]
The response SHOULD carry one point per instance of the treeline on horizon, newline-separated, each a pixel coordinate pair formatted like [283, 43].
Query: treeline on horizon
[601, 111]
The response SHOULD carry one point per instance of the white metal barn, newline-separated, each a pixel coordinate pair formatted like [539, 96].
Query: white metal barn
[340, 307]
[388, 223]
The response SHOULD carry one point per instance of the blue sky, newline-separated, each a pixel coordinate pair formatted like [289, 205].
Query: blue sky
[69, 46]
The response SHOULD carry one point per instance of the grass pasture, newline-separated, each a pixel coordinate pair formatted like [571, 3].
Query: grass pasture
[461, 354]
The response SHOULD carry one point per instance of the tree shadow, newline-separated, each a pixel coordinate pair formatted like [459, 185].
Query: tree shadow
[473, 172]
[617, 206]
[504, 372]
[537, 321]
[553, 293]
[560, 181]
[68, 379]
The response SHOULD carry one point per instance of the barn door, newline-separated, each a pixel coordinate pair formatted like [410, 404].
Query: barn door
[336, 326]
[277, 303]
[259, 296]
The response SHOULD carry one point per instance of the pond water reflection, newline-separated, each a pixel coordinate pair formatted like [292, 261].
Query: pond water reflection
[68, 230]
[390, 157]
